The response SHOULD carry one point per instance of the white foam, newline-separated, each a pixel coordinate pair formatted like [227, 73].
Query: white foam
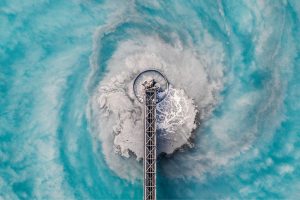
[285, 169]
[195, 81]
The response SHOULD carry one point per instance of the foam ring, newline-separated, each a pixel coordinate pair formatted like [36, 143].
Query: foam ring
[152, 73]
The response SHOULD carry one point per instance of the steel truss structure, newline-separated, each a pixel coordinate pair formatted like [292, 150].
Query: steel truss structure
[150, 144]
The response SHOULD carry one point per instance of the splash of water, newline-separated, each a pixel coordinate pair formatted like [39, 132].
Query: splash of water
[234, 62]
[117, 106]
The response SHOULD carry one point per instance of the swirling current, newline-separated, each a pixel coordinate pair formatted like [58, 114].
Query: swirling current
[70, 127]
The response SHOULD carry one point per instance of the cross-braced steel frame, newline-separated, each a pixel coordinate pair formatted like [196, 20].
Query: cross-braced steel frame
[150, 145]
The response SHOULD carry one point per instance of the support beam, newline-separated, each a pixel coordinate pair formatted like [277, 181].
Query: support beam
[150, 144]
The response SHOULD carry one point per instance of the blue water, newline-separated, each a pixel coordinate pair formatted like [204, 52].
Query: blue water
[53, 54]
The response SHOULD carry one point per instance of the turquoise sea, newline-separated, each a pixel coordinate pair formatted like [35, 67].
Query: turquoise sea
[54, 54]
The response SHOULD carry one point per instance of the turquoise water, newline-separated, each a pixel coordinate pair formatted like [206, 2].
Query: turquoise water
[54, 54]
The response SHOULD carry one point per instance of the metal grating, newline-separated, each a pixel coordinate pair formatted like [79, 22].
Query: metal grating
[150, 144]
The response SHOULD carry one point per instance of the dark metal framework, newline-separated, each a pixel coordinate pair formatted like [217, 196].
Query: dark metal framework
[150, 144]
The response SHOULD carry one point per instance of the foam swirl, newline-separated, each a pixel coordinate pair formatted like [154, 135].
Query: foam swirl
[177, 114]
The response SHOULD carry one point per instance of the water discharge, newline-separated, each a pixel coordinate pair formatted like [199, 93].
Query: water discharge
[71, 128]
[118, 107]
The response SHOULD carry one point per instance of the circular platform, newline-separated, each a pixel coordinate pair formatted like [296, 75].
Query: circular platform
[161, 82]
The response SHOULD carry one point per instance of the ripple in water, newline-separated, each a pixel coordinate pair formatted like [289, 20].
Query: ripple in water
[234, 70]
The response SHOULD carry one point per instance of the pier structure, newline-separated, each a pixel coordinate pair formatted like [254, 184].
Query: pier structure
[150, 88]
[150, 142]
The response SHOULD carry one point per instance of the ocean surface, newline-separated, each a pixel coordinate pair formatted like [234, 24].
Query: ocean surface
[236, 62]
